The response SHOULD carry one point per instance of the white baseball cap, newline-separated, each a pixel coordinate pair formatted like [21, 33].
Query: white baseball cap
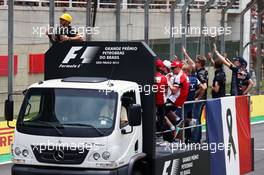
[167, 63]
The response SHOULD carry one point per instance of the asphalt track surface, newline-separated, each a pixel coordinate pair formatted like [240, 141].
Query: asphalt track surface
[257, 133]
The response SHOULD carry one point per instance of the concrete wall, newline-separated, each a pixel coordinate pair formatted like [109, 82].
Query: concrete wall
[132, 23]
[27, 41]
[23, 78]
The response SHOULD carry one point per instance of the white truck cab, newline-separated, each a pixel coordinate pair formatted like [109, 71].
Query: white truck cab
[79, 121]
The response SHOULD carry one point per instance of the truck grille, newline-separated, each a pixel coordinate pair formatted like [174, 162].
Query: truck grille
[59, 155]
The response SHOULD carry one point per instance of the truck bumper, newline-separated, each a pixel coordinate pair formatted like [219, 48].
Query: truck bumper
[44, 170]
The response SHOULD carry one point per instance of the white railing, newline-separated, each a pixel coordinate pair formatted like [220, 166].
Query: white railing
[156, 4]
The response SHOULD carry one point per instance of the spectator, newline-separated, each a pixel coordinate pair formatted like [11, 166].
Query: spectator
[254, 19]
[65, 32]
[241, 82]
[262, 25]
[253, 49]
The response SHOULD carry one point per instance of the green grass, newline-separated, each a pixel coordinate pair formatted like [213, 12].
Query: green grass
[2, 118]
[261, 88]
[5, 158]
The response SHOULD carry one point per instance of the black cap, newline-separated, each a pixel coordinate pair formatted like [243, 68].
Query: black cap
[241, 60]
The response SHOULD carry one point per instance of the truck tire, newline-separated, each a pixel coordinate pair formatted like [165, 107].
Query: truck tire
[137, 172]
[139, 169]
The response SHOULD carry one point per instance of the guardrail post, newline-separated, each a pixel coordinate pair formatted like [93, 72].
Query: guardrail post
[10, 48]
[70, 3]
[172, 25]
[168, 4]
[202, 38]
[184, 22]
[183, 125]
[146, 21]
[88, 18]
[98, 4]
[242, 26]
[223, 13]
[124, 4]
[118, 13]
[51, 14]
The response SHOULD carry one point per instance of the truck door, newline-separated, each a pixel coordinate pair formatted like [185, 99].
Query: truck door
[129, 135]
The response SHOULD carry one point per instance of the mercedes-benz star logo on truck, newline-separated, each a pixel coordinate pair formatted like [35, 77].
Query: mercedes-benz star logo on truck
[58, 155]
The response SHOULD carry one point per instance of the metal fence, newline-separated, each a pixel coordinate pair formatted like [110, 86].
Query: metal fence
[198, 129]
[125, 4]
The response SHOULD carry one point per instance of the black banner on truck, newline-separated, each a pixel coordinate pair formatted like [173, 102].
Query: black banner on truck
[132, 61]
[183, 163]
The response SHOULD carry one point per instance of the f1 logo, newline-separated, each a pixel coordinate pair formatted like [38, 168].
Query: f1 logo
[86, 57]
[171, 167]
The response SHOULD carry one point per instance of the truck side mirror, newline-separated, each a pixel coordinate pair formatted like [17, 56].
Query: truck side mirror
[134, 115]
[9, 110]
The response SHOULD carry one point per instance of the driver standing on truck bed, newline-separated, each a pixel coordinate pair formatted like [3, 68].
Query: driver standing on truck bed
[179, 91]
[241, 82]
[162, 86]
[64, 32]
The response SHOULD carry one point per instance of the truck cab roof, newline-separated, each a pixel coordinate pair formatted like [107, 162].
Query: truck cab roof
[87, 83]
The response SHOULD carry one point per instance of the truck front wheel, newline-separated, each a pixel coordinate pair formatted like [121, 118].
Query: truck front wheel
[138, 168]
[137, 172]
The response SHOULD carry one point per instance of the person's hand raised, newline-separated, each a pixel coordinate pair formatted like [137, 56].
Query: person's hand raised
[64, 38]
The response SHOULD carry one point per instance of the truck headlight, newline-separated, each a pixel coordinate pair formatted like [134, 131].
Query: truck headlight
[106, 155]
[96, 156]
[17, 151]
[25, 153]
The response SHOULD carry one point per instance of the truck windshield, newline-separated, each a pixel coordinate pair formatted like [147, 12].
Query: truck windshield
[65, 109]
